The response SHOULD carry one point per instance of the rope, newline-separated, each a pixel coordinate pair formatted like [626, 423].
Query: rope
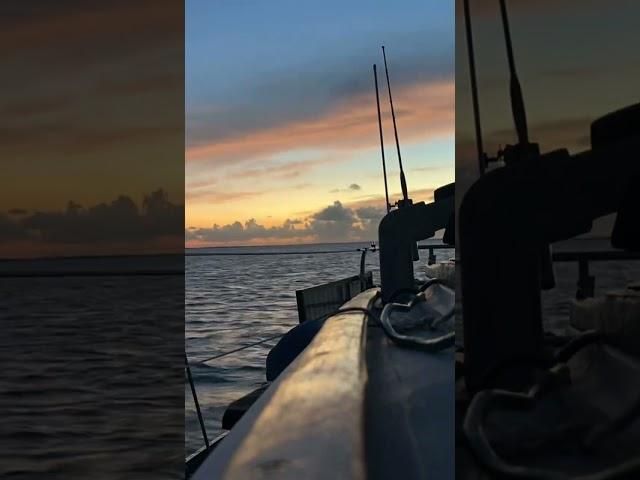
[430, 345]
[244, 347]
[426, 344]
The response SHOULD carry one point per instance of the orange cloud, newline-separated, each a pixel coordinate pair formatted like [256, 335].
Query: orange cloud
[424, 110]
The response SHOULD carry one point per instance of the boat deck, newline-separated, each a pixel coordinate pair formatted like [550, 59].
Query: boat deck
[353, 405]
[409, 410]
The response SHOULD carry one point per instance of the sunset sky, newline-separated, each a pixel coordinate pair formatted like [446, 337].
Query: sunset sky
[577, 60]
[92, 121]
[281, 138]
[277, 106]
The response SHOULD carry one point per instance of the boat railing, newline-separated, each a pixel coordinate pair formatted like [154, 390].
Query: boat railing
[314, 302]
[321, 301]
[586, 281]
[431, 259]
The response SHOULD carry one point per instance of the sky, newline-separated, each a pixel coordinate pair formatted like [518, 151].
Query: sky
[576, 60]
[91, 127]
[282, 138]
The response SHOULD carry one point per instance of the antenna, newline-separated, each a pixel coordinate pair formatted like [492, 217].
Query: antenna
[524, 149]
[384, 166]
[403, 182]
[517, 100]
[482, 156]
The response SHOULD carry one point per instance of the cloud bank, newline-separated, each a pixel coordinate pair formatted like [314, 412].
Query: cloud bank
[94, 229]
[333, 223]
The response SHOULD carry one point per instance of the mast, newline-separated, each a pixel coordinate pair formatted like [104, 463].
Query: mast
[403, 182]
[384, 166]
[482, 157]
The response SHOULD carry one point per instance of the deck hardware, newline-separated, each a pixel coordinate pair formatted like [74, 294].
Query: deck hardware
[398, 233]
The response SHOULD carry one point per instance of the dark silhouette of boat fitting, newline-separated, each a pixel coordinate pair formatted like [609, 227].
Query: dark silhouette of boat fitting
[507, 219]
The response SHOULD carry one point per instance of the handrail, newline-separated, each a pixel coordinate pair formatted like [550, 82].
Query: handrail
[437, 246]
[586, 281]
[239, 349]
[325, 385]
[432, 256]
[594, 255]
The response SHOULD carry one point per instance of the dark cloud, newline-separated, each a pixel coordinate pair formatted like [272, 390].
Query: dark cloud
[334, 213]
[118, 221]
[333, 223]
[370, 213]
[354, 187]
[250, 230]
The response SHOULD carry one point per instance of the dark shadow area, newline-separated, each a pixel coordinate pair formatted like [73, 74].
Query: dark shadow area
[546, 386]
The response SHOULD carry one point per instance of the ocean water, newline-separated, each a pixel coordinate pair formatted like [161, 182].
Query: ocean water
[243, 295]
[90, 366]
[90, 363]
